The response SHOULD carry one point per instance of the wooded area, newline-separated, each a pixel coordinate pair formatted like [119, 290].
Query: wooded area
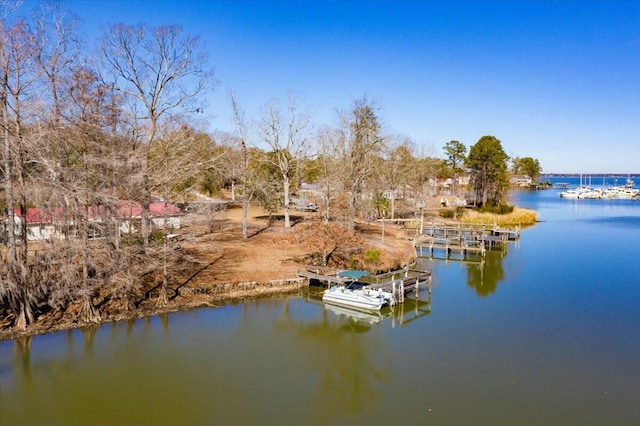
[86, 135]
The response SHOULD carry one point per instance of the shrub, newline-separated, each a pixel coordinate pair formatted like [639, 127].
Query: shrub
[505, 209]
[446, 213]
[372, 256]
[501, 209]
[156, 237]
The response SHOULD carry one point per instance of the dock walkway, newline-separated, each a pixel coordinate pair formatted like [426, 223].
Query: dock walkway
[329, 279]
[463, 238]
[402, 286]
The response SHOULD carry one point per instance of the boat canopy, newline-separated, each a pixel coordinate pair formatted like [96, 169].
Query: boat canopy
[353, 274]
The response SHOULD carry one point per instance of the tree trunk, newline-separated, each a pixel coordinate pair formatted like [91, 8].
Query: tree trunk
[245, 213]
[326, 213]
[144, 210]
[286, 187]
[163, 298]
[88, 311]
[24, 310]
[146, 182]
[485, 194]
[245, 199]
[12, 259]
[393, 204]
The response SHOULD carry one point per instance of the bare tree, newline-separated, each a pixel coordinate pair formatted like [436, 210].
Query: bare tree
[397, 169]
[58, 50]
[330, 167]
[17, 78]
[7, 7]
[241, 127]
[288, 141]
[360, 141]
[176, 158]
[86, 176]
[160, 71]
[35, 142]
[264, 183]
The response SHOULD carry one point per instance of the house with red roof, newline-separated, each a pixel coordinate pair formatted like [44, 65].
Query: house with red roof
[46, 224]
[42, 224]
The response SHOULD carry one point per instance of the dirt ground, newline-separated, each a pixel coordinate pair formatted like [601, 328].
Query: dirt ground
[271, 252]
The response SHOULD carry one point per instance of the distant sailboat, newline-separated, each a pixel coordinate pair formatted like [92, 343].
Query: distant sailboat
[576, 193]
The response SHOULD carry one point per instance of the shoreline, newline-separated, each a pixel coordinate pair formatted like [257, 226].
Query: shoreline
[203, 300]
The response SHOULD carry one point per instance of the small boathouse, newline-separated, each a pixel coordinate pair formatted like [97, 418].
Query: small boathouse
[399, 283]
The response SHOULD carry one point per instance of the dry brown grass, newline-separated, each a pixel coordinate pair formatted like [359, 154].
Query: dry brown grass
[519, 217]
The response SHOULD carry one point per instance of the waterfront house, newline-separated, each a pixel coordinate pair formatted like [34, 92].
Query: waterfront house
[41, 224]
[46, 224]
[522, 181]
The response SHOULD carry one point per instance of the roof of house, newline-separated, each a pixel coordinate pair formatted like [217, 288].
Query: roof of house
[126, 209]
[164, 208]
[41, 215]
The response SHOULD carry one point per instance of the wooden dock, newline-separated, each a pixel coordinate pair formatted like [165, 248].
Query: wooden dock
[322, 278]
[463, 238]
[405, 285]
[450, 245]
[398, 283]
[467, 230]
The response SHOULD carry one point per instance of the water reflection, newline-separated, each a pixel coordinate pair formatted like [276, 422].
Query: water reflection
[343, 349]
[334, 344]
[483, 273]
[485, 279]
[416, 305]
[356, 320]
[22, 354]
[409, 311]
[89, 333]
[401, 314]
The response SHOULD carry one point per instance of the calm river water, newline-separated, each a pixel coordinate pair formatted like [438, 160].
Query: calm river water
[546, 333]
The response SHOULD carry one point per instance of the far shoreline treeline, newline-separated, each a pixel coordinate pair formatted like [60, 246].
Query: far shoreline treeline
[613, 175]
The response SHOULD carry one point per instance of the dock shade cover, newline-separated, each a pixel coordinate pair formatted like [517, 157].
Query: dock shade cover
[354, 274]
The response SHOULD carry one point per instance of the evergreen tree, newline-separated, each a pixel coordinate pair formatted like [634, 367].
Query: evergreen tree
[488, 163]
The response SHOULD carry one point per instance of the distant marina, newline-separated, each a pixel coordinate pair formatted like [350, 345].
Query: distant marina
[581, 187]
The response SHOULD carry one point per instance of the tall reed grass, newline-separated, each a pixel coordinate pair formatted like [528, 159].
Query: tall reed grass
[519, 216]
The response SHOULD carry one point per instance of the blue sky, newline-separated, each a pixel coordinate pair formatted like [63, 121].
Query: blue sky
[555, 80]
